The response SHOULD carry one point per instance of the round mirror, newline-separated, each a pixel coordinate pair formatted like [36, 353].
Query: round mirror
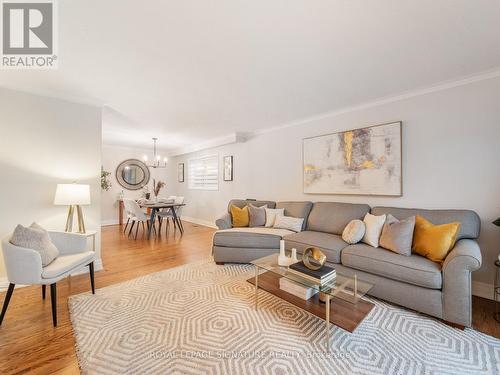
[132, 174]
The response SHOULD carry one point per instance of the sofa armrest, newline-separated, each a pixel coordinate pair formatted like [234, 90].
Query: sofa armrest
[23, 266]
[466, 253]
[457, 290]
[224, 222]
[69, 243]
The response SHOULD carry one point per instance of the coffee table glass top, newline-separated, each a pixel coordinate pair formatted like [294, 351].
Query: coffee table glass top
[347, 287]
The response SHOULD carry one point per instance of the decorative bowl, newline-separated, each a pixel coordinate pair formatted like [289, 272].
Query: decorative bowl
[313, 258]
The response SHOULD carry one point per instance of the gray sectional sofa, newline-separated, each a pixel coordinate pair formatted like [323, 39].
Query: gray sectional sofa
[443, 291]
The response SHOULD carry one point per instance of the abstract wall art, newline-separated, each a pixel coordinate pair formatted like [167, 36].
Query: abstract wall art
[364, 161]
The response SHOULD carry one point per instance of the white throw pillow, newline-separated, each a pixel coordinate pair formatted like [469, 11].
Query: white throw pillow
[354, 232]
[35, 238]
[288, 222]
[271, 215]
[374, 225]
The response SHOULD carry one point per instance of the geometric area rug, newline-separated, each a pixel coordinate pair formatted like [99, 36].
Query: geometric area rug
[200, 319]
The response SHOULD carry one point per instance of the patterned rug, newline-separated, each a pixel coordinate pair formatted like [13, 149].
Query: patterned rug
[200, 319]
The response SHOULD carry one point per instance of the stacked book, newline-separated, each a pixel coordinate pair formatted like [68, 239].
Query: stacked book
[297, 289]
[322, 276]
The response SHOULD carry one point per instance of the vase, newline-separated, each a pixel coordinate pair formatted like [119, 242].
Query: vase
[282, 258]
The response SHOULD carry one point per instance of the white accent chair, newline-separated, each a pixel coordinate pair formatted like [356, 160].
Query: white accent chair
[24, 266]
[137, 215]
[128, 213]
[168, 214]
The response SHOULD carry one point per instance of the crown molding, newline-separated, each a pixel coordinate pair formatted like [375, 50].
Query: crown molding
[76, 99]
[230, 138]
[211, 143]
[490, 74]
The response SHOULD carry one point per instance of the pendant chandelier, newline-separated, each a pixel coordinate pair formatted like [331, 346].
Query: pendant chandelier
[156, 162]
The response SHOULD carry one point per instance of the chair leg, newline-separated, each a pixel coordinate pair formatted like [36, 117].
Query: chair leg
[44, 288]
[143, 230]
[53, 300]
[91, 272]
[6, 301]
[126, 225]
[131, 227]
[136, 230]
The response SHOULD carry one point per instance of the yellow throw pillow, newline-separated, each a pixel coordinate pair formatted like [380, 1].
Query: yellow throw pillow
[434, 241]
[239, 216]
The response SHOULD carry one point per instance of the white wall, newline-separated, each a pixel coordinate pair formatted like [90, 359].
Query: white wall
[44, 142]
[451, 158]
[112, 156]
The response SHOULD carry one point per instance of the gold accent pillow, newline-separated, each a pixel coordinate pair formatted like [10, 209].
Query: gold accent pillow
[434, 241]
[239, 216]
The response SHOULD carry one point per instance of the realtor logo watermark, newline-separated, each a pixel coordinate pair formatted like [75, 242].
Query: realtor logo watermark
[29, 34]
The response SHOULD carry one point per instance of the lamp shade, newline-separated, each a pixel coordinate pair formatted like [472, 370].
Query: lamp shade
[68, 194]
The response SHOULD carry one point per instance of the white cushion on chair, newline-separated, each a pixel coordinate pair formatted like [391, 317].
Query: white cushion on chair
[66, 263]
[36, 238]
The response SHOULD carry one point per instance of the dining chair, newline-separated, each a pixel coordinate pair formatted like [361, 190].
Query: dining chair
[128, 212]
[24, 266]
[138, 216]
[167, 214]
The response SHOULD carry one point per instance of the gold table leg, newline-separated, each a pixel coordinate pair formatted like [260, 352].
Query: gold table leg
[327, 307]
[256, 286]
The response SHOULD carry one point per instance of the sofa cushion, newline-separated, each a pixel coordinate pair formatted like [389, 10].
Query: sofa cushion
[257, 215]
[414, 269]
[332, 217]
[330, 244]
[65, 263]
[258, 237]
[470, 224]
[245, 202]
[300, 210]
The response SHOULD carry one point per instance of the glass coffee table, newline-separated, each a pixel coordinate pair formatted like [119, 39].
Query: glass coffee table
[338, 302]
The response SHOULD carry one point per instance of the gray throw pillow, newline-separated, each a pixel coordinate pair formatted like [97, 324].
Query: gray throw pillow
[257, 215]
[35, 238]
[397, 235]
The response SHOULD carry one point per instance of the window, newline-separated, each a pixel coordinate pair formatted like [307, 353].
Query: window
[203, 173]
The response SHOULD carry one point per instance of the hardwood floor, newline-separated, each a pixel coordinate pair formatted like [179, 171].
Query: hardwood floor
[29, 343]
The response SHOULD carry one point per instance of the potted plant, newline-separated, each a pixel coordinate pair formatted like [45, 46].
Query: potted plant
[105, 183]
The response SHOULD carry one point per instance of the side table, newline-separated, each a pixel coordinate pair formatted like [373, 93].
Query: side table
[496, 290]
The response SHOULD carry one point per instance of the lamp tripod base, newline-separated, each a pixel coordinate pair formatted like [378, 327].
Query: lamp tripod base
[69, 220]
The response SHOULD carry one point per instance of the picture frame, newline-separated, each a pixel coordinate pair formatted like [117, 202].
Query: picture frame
[362, 161]
[180, 172]
[228, 168]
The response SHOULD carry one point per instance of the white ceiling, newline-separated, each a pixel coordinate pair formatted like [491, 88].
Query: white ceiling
[189, 71]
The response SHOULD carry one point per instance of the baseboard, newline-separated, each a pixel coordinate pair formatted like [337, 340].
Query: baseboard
[194, 220]
[483, 290]
[105, 223]
[4, 282]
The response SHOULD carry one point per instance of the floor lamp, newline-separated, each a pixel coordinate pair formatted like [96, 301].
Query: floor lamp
[74, 196]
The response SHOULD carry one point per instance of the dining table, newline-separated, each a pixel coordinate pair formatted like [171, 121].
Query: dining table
[155, 207]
